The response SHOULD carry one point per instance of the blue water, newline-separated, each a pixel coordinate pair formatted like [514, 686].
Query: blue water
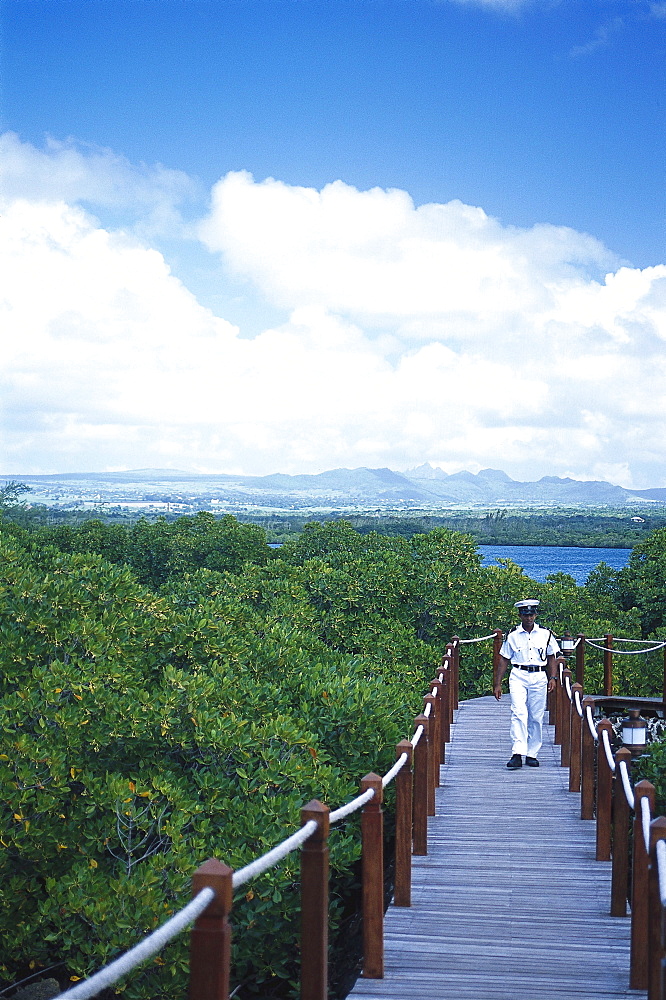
[540, 560]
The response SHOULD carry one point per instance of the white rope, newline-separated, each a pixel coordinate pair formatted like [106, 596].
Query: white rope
[145, 949]
[417, 736]
[626, 652]
[590, 722]
[567, 686]
[352, 806]
[626, 784]
[646, 818]
[578, 703]
[427, 710]
[660, 848]
[482, 638]
[390, 775]
[641, 642]
[607, 747]
[266, 861]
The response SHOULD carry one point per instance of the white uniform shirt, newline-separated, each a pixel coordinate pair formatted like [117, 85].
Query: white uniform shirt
[523, 647]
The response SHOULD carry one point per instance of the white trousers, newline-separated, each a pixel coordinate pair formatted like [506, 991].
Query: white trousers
[528, 703]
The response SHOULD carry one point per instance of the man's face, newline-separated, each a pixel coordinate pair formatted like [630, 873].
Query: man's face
[527, 618]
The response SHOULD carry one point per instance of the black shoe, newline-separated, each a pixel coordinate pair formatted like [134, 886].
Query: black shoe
[515, 762]
[531, 762]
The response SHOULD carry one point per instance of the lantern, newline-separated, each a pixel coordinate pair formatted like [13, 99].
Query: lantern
[634, 732]
[568, 644]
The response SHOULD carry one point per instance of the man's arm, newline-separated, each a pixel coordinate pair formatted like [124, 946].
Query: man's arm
[504, 663]
[552, 671]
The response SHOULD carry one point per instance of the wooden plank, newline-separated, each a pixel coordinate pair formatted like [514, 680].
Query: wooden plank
[509, 903]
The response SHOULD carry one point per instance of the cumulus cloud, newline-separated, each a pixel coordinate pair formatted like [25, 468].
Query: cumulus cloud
[150, 198]
[412, 334]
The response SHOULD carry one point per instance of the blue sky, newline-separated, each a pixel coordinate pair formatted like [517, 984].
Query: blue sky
[501, 161]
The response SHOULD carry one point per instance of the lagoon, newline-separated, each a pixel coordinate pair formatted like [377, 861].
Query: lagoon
[538, 561]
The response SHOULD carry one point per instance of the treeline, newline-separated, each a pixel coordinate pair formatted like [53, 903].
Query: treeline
[494, 528]
[182, 687]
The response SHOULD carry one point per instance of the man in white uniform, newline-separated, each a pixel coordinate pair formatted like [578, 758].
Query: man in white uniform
[530, 650]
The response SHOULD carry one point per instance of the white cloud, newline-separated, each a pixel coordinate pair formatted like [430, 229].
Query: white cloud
[413, 334]
[602, 38]
[150, 197]
[502, 6]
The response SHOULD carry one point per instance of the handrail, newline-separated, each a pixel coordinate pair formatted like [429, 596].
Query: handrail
[482, 638]
[661, 866]
[607, 747]
[271, 858]
[646, 818]
[626, 652]
[626, 784]
[140, 952]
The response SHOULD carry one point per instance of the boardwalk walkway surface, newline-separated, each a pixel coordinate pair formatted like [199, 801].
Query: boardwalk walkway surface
[510, 903]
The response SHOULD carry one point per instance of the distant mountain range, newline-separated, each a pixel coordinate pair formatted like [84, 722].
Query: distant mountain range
[343, 489]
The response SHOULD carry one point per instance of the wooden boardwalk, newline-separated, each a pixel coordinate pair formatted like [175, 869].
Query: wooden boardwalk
[510, 903]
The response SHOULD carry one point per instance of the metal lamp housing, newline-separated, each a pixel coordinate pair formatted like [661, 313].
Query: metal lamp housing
[634, 732]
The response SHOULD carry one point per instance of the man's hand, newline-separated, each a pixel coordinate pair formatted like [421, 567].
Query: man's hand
[497, 690]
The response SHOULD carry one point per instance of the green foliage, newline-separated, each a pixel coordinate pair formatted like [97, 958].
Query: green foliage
[642, 583]
[175, 691]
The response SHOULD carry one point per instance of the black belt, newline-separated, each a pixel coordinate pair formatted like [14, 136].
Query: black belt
[530, 667]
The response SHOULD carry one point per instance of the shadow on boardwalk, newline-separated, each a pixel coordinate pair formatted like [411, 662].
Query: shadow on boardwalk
[510, 903]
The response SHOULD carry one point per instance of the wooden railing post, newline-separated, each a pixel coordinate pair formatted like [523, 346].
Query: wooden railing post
[638, 978]
[438, 742]
[604, 793]
[655, 953]
[455, 642]
[432, 746]
[314, 904]
[403, 827]
[580, 659]
[447, 712]
[621, 822]
[587, 765]
[560, 695]
[498, 639]
[420, 807]
[576, 731]
[608, 666]
[565, 752]
[210, 938]
[372, 863]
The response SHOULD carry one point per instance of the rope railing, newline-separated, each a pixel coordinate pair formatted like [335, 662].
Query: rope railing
[274, 856]
[607, 748]
[626, 652]
[646, 819]
[626, 784]
[481, 638]
[661, 862]
[150, 946]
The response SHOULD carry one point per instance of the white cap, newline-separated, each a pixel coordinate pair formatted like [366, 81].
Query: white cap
[526, 604]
